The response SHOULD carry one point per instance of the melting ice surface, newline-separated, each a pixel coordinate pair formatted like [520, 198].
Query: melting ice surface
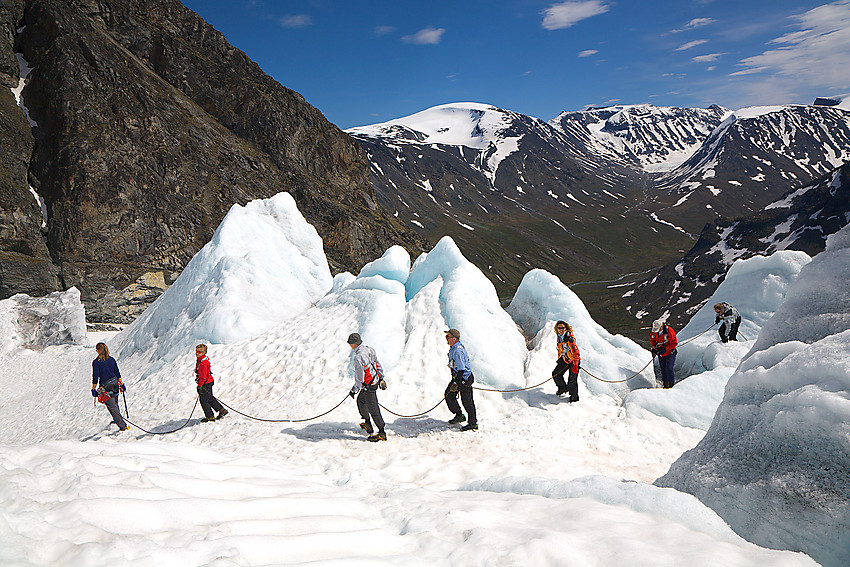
[541, 483]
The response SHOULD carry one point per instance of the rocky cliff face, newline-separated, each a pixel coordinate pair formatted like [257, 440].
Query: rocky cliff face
[149, 127]
[25, 264]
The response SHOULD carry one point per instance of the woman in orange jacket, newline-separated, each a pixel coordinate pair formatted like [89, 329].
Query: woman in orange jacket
[569, 358]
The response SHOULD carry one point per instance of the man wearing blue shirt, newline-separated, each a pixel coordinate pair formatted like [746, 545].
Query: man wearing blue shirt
[462, 379]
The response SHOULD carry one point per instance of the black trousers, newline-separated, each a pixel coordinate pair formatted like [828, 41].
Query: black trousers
[733, 331]
[571, 385]
[465, 391]
[208, 401]
[367, 405]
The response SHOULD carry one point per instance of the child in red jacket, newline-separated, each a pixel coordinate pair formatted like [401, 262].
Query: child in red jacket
[204, 379]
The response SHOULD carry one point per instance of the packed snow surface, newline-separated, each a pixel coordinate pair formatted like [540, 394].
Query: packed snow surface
[543, 482]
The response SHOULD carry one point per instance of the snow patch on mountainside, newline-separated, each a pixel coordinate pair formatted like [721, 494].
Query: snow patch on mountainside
[468, 124]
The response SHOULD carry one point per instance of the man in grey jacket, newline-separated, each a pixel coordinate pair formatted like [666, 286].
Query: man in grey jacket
[368, 377]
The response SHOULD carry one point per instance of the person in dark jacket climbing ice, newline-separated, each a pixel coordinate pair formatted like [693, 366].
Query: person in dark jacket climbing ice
[731, 321]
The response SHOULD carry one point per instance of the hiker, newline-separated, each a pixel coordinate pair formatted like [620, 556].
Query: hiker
[204, 380]
[461, 382]
[368, 377]
[663, 342]
[731, 321]
[569, 358]
[106, 383]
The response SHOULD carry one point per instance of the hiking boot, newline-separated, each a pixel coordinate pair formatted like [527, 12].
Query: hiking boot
[470, 427]
[458, 418]
[367, 427]
[379, 436]
[207, 419]
[222, 413]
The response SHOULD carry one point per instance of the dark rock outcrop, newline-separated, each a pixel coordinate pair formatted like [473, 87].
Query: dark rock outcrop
[150, 126]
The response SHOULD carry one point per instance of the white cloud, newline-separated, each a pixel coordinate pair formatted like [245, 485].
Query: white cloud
[565, 14]
[384, 30]
[691, 44]
[708, 57]
[425, 36]
[696, 23]
[588, 53]
[818, 55]
[296, 21]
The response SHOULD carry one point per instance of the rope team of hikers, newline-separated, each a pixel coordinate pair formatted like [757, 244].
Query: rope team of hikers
[369, 375]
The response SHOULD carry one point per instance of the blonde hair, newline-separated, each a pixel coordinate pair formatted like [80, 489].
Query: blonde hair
[102, 351]
[201, 348]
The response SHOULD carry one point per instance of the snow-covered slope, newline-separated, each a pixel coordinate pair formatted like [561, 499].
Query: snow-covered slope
[218, 299]
[756, 287]
[654, 138]
[775, 461]
[472, 125]
[539, 477]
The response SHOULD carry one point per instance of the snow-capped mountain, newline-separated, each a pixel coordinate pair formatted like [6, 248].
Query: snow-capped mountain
[640, 136]
[595, 194]
[754, 157]
[801, 220]
[510, 189]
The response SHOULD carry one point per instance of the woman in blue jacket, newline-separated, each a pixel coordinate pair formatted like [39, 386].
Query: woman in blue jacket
[105, 378]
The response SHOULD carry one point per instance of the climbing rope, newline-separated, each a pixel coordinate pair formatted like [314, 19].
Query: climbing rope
[166, 432]
[442, 399]
[416, 414]
[516, 390]
[645, 366]
[284, 420]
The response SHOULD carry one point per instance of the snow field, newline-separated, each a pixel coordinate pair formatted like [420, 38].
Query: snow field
[525, 489]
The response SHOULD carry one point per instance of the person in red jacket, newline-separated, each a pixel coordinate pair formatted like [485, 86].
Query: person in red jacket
[204, 379]
[663, 342]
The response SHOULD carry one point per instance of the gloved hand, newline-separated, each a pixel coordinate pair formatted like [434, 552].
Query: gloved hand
[453, 386]
[654, 352]
[717, 319]
[382, 384]
[351, 392]
[123, 387]
[93, 393]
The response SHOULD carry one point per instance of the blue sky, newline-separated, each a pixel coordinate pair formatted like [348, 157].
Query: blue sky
[368, 61]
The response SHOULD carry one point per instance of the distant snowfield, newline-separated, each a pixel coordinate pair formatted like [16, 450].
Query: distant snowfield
[542, 482]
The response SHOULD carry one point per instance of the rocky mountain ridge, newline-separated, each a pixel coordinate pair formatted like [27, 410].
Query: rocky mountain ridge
[149, 125]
